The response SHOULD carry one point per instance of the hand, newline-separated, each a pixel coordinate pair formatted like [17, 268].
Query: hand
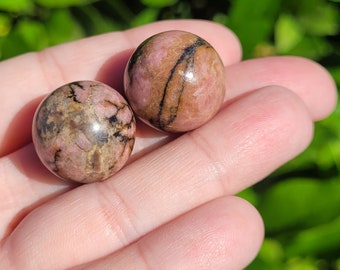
[173, 206]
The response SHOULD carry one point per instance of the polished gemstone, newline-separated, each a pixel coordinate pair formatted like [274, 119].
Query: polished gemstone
[175, 81]
[84, 131]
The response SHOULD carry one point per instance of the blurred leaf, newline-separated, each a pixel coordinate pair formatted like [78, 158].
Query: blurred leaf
[12, 45]
[159, 3]
[270, 257]
[62, 27]
[264, 49]
[315, 20]
[62, 3]
[5, 24]
[288, 33]
[300, 203]
[253, 22]
[335, 72]
[93, 22]
[317, 240]
[312, 47]
[337, 264]
[250, 195]
[182, 10]
[302, 264]
[329, 152]
[28, 35]
[258, 264]
[320, 19]
[221, 18]
[145, 16]
[271, 251]
[122, 11]
[33, 34]
[16, 5]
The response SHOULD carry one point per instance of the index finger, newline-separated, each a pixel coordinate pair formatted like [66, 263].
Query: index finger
[25, 79]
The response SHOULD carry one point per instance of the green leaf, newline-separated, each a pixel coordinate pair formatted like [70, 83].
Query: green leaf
[270, 257]
[250, 195]
[28, 35]
[320, 20]
[24, 6]
[301, 264]
[221, 18]
[5, 25]
[316, 241]
[335, 72]
[122, 10]
[93, 22]
[288, 33]
[63, 3]
[271, 251]
[12, 45]
[145, 16]
[253, 22]
[312, 47]
[159, 3]
[299, 203]
[329, 154]
[259, 264]
[33, 33]
[61, 27]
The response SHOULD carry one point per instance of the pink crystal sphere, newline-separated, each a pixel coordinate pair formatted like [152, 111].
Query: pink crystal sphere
[84, 131]
[175, 81]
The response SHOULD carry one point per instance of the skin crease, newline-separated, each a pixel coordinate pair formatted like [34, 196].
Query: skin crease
[137, 219]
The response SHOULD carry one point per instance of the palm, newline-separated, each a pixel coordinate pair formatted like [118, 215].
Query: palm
[172, 206]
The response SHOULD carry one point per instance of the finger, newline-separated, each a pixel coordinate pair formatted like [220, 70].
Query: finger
[223, 234]
[309, 80]
[246, 141]
[26, 79]
[25, 184]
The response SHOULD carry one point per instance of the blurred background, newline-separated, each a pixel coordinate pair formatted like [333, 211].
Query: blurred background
[300, 202]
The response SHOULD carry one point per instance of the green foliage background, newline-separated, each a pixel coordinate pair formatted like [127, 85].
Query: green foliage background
[300, 202]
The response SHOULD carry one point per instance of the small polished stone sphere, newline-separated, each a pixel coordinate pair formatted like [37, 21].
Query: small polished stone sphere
[84, 131]
[175, 81]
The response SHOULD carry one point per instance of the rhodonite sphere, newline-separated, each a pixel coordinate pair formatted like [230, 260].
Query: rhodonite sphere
[175, 81]
[84, 131]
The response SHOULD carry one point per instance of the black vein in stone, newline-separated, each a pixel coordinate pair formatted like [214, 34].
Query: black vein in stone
[55, 159]
[73, 94]
[78, 84]
[121, 137]
[188, 56]
[134, 58]
[46, 128]
[114, 121]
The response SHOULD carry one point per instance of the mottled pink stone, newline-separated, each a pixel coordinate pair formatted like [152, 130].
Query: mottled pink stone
[84, 131]
[175, 81]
